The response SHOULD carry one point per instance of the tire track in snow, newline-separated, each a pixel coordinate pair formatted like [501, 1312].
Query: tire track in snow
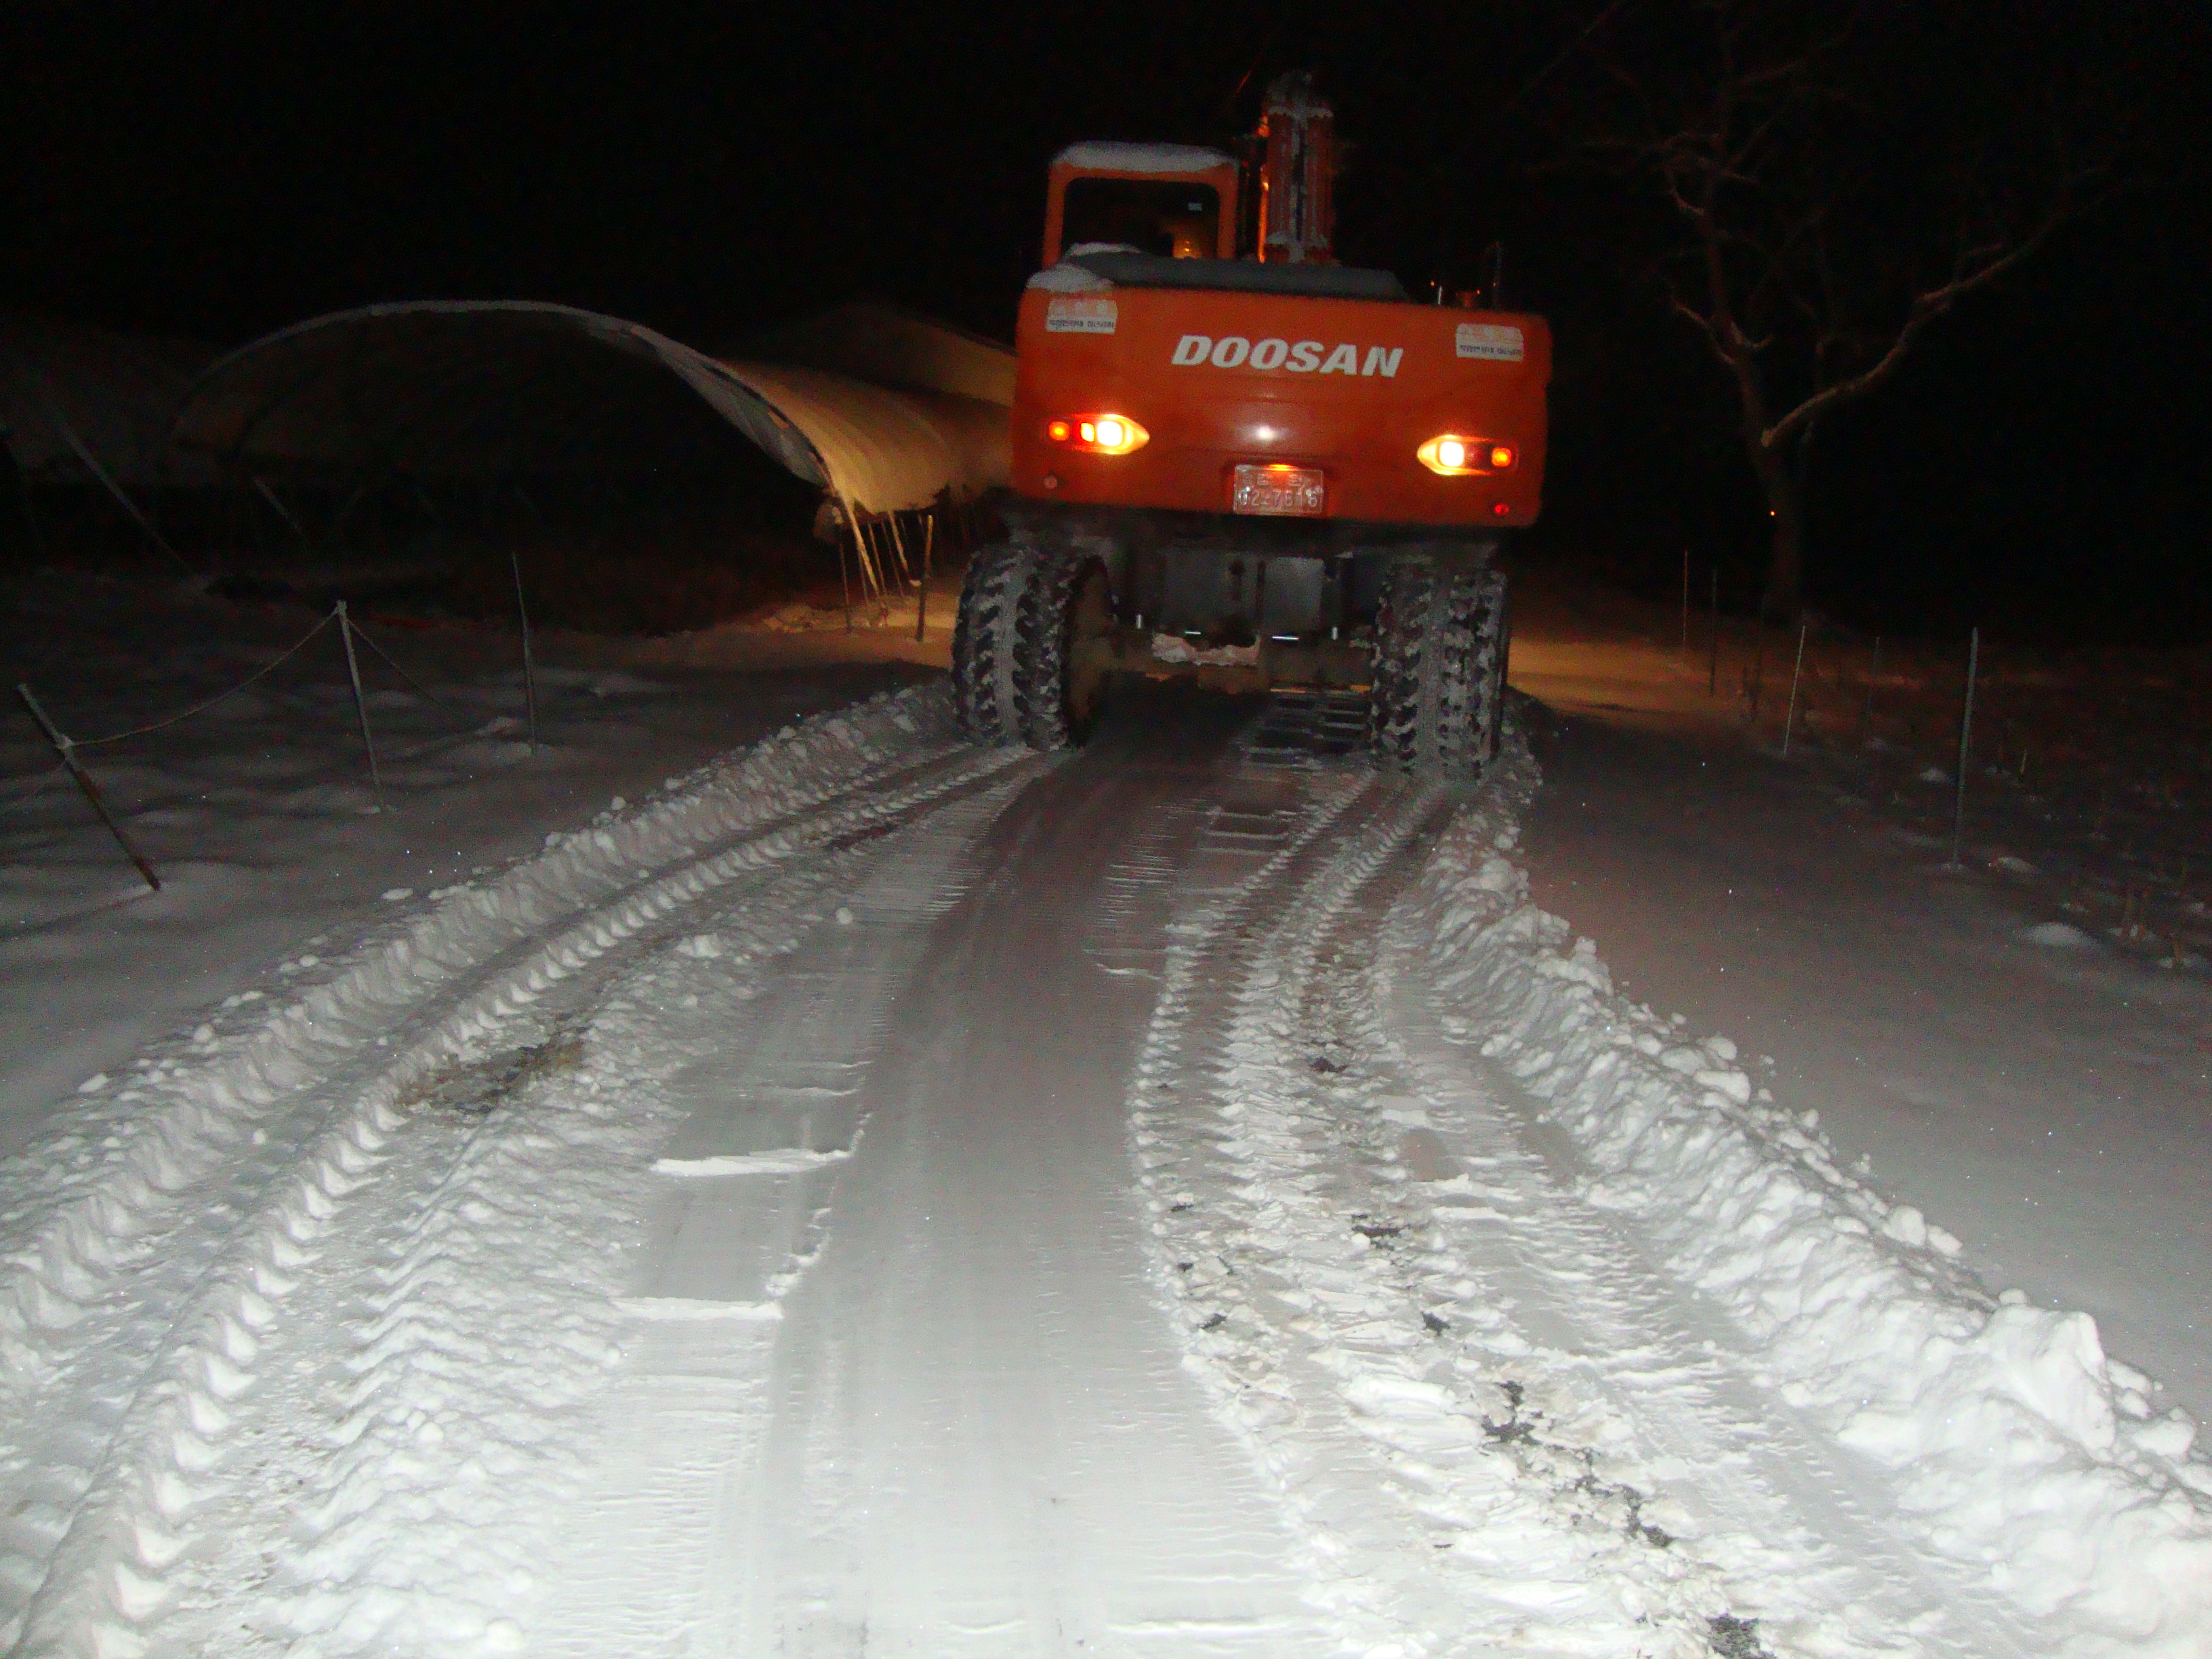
[1222, 1251]
[982, 1441]
[1492, 1501]
[478, 1327]
[653, 1559]
[138, 1296]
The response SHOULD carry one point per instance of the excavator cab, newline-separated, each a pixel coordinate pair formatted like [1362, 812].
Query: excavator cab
[1174, 201]
[1169, 218]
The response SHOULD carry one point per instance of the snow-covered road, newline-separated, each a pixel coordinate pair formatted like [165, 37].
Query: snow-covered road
[886, 1197]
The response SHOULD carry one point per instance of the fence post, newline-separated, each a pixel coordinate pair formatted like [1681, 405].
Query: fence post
[1790, 719]
[1713, 668]
[66, 748]
[529, 662]
[845, 583]
[1966, 747]
[929, 546]
[360, 703]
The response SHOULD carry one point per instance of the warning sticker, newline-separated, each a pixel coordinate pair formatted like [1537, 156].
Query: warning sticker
[1080, 313]
[1500, 343]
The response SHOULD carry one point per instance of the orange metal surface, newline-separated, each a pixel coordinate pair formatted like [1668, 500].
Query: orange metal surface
[1298, 180]
[1218, 379]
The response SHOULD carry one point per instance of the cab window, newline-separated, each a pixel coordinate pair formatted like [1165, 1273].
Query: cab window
[1152, 216]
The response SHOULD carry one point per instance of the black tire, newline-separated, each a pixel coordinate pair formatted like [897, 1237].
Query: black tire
[1441, 637]
[1498, 651]
[1059, 682]
[984, 641]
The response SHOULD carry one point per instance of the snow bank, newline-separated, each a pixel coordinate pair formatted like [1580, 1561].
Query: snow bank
[2015, 1446]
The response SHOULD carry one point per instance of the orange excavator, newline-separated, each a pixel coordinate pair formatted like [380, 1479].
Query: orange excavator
[1237, 458]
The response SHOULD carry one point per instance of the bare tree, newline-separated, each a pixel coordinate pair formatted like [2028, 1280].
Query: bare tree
[1833, 182]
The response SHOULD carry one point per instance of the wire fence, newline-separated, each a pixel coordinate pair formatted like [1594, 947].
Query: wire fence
[2097, 762]
[200, 708]
[68, 749]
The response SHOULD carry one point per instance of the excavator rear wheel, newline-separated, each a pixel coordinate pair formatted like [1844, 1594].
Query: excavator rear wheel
[1438, 696]
[1063, 637]
[984, 642]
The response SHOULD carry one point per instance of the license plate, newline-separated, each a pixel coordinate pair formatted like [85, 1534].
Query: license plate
[1291, 492]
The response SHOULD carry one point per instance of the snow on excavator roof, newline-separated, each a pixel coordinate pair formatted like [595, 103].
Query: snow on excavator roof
[470, 387]
[1107, 156]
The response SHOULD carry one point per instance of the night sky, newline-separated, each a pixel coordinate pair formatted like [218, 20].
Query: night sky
[221, 171]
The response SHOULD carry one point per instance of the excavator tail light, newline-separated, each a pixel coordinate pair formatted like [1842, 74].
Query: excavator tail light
[1456, 456]
[1100, 434]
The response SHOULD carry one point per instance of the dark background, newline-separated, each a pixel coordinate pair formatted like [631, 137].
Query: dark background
[223, 170]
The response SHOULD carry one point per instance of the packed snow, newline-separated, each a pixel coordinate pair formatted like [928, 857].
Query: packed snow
[850, 1189]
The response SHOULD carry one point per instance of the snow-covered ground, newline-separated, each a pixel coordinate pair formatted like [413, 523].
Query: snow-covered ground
[2001, 1055]
[260, 816]
[862, 1193]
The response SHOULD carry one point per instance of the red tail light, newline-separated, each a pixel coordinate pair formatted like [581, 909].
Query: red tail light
[1456, 456]
[1099, 434]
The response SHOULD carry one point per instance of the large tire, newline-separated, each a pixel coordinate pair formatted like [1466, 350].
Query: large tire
[1439, 697]
[1066, 616]
[984, 644]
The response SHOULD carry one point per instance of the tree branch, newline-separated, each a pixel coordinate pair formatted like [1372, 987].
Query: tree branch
[1925, 309]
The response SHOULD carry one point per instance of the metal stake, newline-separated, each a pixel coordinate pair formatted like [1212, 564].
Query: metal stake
[529, 661]
[66, 748]
[360, 703]
[928, 544]
[1790, 718]
[1966, 746]
[844, 579]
